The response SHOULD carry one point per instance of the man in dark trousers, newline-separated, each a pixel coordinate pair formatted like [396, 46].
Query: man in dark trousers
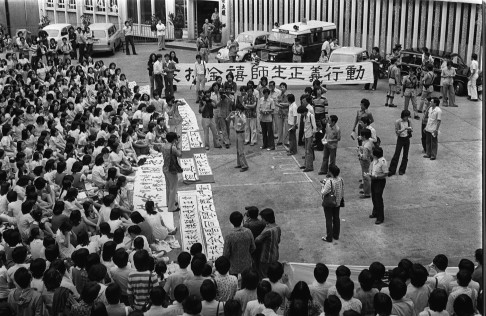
[128, 31]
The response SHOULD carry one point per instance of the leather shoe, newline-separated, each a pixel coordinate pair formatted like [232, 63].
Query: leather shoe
[308, 170]
[372, 216]
[392, 105]
[327, 239]
[243, 169]
[391, 174]
[378, 222]
[238, 167]
[362, 196]
[321, 173]
[432, 158]
[302, 167]
[401, 173]
[426, 156]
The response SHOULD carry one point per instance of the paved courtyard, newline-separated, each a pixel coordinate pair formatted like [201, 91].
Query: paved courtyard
[434, 208]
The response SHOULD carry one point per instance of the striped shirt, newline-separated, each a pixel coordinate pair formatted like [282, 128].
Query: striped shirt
[268, 241]
[139, 285]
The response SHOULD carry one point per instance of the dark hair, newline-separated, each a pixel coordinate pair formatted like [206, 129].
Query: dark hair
[272, 300]
[222, 265]
[52, 279]
[232, 308]
[474, 56]
[141, 260]
[463, 277]
[181, 292]
[90, 292]
[197, 266]
[301, 291]
[51, 253]
[268, 215]
[149, 207]
[478, 255]
[208, 290]
[236, 218]
[136, 217]
[80, 257]
[22, 277]
[334, 170]
[109, 248]
[466, 264]
[398, 288]
[38, 267]
[195, 249]
[366, 280]
[184, 259]
[249, 279]
[192, 305]
[351, 312]
[418, 275]
[97, 272]
[332, 305]
[345, 288]
[157, 296]
[120, 258]
[438, 300]
[263, 289]
[378, 152]
[275, 271]
[113, 293]
[463, 306]
[252, 211]
[441, 262]
[19, 254]
[321, 272]
[382, 304]
[404, 114]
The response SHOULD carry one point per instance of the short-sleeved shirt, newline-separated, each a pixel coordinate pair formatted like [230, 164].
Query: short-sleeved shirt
[435, 115]
[139, 285]
[266, 105]
[379, 167]
[292, 113]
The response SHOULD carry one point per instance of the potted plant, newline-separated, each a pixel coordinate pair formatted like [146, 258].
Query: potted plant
[178, 22]
[44, 21]
[85, 20]
[218, 26]
[154, 19]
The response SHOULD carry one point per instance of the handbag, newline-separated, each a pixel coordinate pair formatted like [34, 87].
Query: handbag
[342, 198]
[329, 200]
[174, 166]
[409, 132]
[148, 303]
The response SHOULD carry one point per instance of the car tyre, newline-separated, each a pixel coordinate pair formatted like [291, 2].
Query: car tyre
[459, 88]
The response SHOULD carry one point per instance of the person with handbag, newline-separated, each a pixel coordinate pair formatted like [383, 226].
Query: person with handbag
[403, 129]
[378, 181]
[332, 200]
[171, 151]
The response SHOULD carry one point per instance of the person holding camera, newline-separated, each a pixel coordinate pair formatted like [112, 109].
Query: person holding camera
[171, 149]
[333, 185]
[128, 31]
[403, 129]
[206, 107]
[239, 123]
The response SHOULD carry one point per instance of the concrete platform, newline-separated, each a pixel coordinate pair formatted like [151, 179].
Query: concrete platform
[434, 208]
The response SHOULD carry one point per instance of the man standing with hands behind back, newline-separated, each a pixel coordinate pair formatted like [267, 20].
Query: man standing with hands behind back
[161, 34]
[128, 31]
[432, 129]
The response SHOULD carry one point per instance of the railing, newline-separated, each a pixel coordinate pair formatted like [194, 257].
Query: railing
[144, 31]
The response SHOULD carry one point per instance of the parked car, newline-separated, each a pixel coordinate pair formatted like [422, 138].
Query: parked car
[248, 41]
[311, 34]
[349, 55]
[57, 31]
[412, 59]
[106, 38]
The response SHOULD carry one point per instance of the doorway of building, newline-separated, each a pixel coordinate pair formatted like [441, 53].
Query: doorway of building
[204, 10]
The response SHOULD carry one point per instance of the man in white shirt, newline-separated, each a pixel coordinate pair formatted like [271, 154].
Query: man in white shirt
[200, 73]
[309, 132]
[439, 279]
[293, 123]
[327, 46]
[128, 31]
[379, 172]
[472, 90]
[161, 35]
[158, 75]
[432, 129]
[274, 95]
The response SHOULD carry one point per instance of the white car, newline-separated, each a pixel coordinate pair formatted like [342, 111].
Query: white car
[57, 31]
[247, 42]
[106, 38]
[349, 55]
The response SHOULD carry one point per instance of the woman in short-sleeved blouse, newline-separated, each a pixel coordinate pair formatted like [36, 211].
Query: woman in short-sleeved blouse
[171, 179]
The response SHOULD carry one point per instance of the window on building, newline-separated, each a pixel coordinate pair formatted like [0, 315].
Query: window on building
[61, 4]
[88, 5]
[72, 5]
[113, 8]
[132, 10]
[50, 3]
[100, 5]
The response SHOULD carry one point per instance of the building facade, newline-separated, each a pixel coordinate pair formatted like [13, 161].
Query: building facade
[453, 26]
[19, 14]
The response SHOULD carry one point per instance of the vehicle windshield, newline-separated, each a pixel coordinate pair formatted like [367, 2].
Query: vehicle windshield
[282, 37]
[99, 33]
[245, 38]
[342, 58]
[52, 33]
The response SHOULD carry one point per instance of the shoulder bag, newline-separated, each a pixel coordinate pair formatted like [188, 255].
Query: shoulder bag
[409, 132]
[342, 197]
[174, 166]
[329, 200]
[148, 303]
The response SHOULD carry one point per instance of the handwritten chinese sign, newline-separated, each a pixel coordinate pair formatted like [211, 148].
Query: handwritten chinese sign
[202, 165]
[195, 140]
[189, 219]
[189, 172]
[189, 120]
[209, 222]
[290, 73]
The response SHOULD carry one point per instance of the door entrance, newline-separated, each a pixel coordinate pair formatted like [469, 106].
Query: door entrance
[204, 10]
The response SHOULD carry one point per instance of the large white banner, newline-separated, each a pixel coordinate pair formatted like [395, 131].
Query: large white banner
[290, 73]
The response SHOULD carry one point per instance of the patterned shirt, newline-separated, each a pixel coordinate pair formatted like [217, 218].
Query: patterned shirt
[140, 284]
[226, 286]
[269, 240]
[267, 106]
[256, 226]
[250, 100]
[238, 246]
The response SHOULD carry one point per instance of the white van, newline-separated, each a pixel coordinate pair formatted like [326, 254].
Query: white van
[57, 31]
[106, 38]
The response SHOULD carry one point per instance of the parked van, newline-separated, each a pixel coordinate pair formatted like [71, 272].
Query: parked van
[106, 38]
[349, 55]
[57, 31]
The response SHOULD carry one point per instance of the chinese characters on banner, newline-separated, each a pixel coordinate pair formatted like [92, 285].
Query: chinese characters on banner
[185, 142]
[209, 222]
[202, 165]
[189, 172]
[290, 73]
[189, 219]
[189, 120]
[195, 140]
[149, 185]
